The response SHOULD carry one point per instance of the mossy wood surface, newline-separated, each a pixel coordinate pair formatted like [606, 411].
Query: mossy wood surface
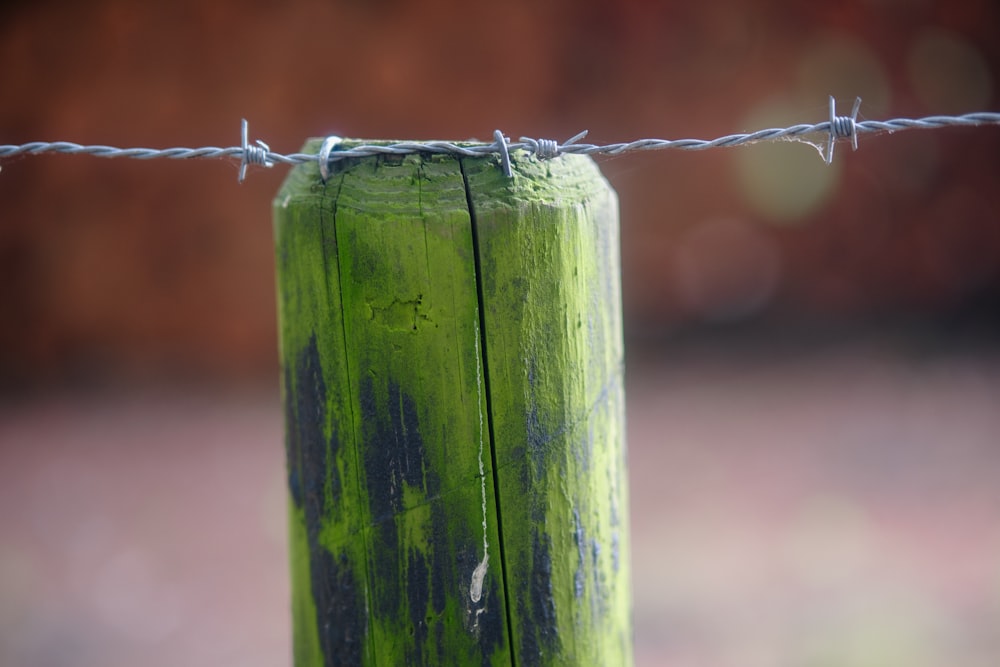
[452, 363]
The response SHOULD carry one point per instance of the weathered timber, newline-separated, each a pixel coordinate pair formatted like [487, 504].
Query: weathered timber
[452, 364]
[549, 275]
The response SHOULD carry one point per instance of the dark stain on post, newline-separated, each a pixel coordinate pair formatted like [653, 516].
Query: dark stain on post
[393, 446]
[293, 452]
[540, 636]
[393, 456]
[492, 634]
[580, 538]
[418, 595]
[310, 420]
[384, 556]
[538, 442]
[340, 611]
[614, 550]
[600, 600]
[339, 608]
[440, 536]
[441, 568]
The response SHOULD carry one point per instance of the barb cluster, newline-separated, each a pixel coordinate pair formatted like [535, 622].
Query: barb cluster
[836, 128]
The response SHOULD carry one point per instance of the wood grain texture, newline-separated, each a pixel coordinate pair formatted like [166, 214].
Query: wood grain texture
[409, 337]
[549, 273]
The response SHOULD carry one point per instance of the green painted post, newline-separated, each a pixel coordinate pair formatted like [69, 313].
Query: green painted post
[452, 364]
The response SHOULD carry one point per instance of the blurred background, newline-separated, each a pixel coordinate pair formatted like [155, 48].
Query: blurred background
[813, 351]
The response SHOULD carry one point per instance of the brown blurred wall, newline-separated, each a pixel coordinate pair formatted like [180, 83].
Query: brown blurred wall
[124, 270]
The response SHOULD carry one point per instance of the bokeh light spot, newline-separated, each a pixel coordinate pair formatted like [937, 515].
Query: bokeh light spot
[845, 68]
[783, 182]
[948, 73]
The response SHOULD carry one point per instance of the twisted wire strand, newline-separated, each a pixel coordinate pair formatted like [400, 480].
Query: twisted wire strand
[837, 128]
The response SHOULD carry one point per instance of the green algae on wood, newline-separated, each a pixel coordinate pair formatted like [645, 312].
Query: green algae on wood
[549, 274]
[437, 359]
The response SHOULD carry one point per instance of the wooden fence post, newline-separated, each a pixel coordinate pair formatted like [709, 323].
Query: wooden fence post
[452, 367]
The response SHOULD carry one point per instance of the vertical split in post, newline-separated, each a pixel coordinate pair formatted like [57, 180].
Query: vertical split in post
[549, 272]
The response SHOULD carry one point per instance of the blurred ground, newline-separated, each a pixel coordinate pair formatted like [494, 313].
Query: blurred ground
[835, 507]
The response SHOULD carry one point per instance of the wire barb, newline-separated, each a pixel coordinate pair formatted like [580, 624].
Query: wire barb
[259, 154]
[501, 144]
[842, 127]
[327, 147]
[546, 149]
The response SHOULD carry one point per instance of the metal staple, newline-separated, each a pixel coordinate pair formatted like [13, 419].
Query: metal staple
[836, 128]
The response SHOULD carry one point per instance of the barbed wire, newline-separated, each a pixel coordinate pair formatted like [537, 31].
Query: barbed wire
[836, 128]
